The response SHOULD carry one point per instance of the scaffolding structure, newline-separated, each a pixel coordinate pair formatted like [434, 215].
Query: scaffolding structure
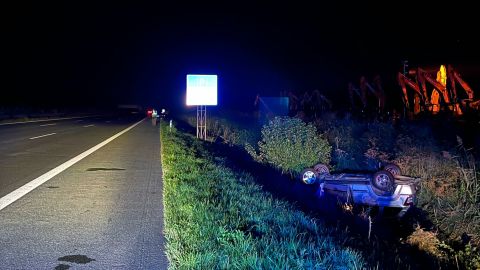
[202, 122]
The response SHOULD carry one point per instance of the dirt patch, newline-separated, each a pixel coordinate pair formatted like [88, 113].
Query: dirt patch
[62, 267]
[80, 259]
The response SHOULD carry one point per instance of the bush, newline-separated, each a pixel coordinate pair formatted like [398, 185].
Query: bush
[291, 145]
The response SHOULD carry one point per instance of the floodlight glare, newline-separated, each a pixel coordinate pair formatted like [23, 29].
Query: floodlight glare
[201, 89]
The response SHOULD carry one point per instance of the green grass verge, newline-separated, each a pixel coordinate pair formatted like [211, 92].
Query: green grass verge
[216, 218]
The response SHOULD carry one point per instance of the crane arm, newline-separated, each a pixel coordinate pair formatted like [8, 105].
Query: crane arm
[421, 80]
[403, 80]
[371, 89]
[378, 82]
[451, 78]
[353, 89]
[464, 84]
[440, 87]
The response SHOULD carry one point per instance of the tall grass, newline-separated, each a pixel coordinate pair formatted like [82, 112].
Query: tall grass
[450, 195]
[229, 131]
[216, 218]
[450, 192]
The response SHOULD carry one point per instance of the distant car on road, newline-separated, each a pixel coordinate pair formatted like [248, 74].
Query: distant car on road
[383, 188]
[151, 113]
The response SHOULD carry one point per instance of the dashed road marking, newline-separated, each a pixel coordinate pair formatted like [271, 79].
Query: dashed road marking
[41, 136]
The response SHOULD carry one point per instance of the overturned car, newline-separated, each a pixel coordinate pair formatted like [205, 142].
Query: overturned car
[384, 188]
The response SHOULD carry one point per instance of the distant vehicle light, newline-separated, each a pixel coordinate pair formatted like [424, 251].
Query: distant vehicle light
[163, 110]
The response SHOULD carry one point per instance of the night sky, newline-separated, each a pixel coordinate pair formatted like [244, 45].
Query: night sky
[90, 54]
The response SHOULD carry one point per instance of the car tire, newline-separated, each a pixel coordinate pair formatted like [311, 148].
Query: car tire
[393, 169]
[321, 169]
[383, 180]
[308, 176]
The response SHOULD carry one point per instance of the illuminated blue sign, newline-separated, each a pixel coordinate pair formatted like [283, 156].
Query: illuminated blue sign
[201, 89]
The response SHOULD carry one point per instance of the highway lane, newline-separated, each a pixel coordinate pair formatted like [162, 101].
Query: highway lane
[25, 154]
[104, 212]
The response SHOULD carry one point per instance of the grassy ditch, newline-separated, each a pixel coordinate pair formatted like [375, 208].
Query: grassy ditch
[445, 225]
[216, 218]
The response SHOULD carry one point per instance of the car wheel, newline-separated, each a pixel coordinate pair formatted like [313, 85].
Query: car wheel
[321, 169]
[308, 176]
[383, 180]
[393, 169]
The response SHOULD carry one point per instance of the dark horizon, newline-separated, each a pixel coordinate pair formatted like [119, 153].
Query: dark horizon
[105, 54]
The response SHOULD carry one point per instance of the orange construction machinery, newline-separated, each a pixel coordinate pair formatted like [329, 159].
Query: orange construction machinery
[365, 91]
[440, 94]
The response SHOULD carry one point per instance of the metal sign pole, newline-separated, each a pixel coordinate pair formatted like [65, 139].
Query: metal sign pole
[202, 122]
[205, 130]
[198, 119]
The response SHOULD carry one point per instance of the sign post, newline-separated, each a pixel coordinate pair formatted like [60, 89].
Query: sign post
[201, 91]
[202, 122]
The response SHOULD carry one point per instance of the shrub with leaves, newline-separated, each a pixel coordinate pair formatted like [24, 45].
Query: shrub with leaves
[291, 145]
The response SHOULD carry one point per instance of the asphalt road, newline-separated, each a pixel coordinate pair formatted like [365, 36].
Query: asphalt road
[104, 212]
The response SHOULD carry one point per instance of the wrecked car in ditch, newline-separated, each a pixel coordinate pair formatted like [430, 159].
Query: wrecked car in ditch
[384, 188]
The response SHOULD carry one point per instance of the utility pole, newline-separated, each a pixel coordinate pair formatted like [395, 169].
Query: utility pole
[405, 67]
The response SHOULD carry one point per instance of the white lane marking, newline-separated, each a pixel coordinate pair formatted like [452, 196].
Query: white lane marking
[89, 126]
[46, 120]
[41, 136]
[46, 125]
[21, 191]
[17, 154]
